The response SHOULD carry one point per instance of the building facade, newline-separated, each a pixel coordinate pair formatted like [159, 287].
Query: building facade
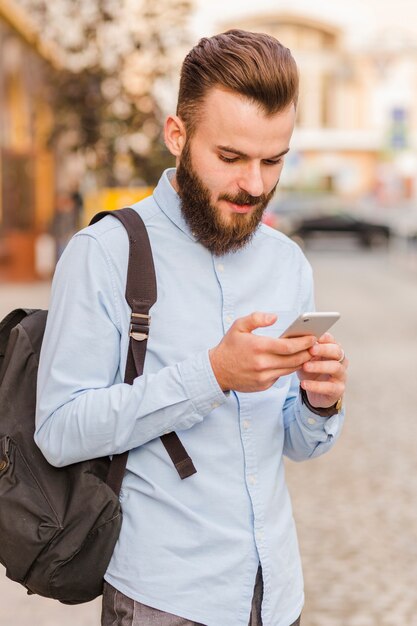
[27, 170]
[356, 130]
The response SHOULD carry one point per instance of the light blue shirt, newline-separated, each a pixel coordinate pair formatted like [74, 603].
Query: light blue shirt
[188, 547]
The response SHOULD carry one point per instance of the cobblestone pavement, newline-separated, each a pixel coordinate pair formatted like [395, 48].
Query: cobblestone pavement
[356, 508]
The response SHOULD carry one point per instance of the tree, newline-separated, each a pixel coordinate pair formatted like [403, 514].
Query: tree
[120, 58]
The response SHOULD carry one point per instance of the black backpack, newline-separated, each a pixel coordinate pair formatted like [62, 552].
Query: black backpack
[59, 526]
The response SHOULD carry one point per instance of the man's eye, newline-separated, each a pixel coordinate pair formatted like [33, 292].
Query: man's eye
[272, 162]
[228, 159]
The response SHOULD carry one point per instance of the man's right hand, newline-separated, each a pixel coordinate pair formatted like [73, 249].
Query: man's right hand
[246, 362]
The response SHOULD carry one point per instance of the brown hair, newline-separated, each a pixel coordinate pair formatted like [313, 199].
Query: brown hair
[254, 65]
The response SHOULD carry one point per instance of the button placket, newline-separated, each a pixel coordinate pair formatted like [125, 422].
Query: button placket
[228, 316]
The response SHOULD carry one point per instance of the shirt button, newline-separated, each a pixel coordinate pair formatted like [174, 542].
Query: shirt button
[215, 405]
[229, 319]
[252, 479]
[220, 267]
[311, 421]
[246, 424]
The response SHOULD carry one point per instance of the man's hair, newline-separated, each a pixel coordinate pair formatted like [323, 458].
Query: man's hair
[254, 65]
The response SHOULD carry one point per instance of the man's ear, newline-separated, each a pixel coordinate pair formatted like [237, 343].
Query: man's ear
[174, 134]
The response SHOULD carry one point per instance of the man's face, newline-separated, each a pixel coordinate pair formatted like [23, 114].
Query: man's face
[228, 171]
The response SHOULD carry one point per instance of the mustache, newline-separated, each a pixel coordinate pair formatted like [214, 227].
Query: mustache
[244, 198]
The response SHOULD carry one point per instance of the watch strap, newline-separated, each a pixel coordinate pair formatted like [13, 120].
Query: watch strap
[322, 411]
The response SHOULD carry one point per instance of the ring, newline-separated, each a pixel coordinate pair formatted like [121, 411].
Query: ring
[342, 358]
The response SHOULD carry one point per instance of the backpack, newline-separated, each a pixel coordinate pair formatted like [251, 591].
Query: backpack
[59, 526]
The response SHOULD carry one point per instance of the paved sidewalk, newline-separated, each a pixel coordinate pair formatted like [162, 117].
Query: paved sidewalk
[356, 508]
[19, 609]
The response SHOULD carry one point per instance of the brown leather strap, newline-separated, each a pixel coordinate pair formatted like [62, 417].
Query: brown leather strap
[141, 294]
[178, 454]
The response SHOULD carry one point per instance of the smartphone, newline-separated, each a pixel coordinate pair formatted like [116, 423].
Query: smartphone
[311, 323]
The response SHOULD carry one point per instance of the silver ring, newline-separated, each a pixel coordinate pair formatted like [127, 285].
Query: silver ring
[342, 358]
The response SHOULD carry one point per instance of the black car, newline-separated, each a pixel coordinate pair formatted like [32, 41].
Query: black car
[367, 234]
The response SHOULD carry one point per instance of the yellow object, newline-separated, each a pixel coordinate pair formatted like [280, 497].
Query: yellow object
[111, 198]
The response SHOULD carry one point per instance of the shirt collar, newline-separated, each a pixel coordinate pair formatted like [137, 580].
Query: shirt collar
[169, 201]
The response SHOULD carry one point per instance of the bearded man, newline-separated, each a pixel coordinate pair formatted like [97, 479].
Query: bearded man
[218, 548]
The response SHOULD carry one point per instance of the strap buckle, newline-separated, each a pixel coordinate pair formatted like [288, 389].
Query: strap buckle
[139, 326]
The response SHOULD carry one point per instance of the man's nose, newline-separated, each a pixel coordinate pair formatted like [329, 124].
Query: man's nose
[251, 180]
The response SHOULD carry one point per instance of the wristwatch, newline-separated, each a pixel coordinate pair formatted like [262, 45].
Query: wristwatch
[322, 411]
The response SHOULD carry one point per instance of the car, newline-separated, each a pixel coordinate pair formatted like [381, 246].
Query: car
[366, 233]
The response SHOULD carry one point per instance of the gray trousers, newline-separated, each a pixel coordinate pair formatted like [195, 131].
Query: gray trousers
[119, 610]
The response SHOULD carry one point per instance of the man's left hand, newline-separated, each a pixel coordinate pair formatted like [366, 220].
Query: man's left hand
[324, 376]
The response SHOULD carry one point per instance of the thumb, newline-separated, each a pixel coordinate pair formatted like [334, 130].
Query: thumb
[255, 320]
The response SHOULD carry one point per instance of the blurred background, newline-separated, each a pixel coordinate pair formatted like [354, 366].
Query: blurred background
[84, 89]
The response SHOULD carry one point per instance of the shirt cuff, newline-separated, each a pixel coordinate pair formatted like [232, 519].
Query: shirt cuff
[314, 424]
[200, 383]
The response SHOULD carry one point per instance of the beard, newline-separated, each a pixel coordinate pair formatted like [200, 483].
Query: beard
[205, 220]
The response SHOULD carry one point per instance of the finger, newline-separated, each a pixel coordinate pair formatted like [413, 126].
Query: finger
[277, 374]
[283, 371]
[330, 368]
[293, 345]
[331, 351]
[292, 362]
[329, 388]
[285, 347]
[327, 338]
[267, 363]
[255, 320]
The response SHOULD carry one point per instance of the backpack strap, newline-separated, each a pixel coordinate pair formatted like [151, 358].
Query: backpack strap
[8, 323]
[6, 326]
[141, 294]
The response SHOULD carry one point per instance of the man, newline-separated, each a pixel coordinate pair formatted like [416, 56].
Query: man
[218, 548]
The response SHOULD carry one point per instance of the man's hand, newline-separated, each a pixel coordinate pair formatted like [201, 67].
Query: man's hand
[246, 362]
[324, 376]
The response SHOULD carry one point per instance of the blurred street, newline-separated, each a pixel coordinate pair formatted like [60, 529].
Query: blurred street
[356, 507]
